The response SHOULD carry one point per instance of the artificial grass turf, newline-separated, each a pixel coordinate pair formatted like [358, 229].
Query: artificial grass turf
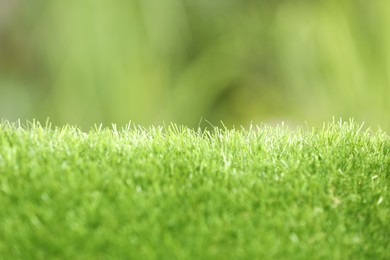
[173, 192]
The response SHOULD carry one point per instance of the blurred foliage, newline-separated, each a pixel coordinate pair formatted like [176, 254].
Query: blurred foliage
[86, 62]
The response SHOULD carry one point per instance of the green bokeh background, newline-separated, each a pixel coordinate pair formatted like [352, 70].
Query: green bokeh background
[240, 61]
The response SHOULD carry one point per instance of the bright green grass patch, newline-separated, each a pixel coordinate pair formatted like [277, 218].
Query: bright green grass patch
[174, 192]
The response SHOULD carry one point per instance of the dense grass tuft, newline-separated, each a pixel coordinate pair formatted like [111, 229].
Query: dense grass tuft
[173, 192]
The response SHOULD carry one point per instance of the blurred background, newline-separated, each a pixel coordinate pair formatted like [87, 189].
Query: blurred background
[237, 61]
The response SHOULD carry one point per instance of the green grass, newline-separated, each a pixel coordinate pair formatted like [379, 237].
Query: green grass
[173, 192]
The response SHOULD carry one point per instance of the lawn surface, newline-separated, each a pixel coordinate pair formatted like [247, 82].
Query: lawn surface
[176, 193]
